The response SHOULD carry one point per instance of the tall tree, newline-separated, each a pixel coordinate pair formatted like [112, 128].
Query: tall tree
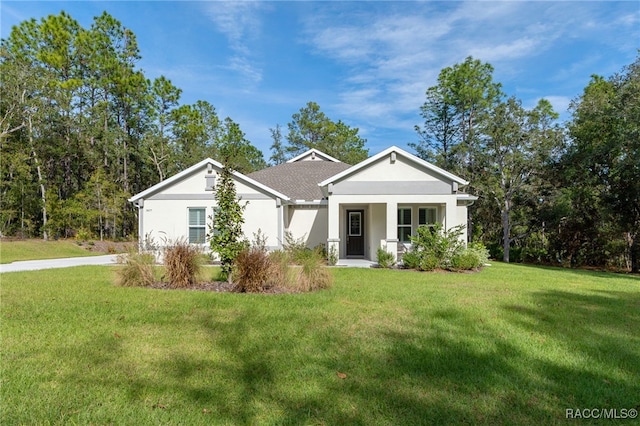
[311, 128]
[195, 132]
[237, 152]
[517, 144]
[279, 155]
[164, 99]
[606, 147]
[454, 109]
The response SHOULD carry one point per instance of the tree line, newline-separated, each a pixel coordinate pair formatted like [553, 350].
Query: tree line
[557, 194]
[82, 129]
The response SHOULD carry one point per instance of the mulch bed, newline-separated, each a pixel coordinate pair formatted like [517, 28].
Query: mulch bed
[216, 286]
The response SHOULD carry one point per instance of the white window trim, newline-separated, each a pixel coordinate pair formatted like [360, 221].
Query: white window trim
[410, 225]
[203, 226]
[435, 208]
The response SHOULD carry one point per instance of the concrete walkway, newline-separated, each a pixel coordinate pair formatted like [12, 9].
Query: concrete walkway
[356, 263]
[34, 265]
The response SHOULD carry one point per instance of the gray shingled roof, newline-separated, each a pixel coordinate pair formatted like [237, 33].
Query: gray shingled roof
[299, 180]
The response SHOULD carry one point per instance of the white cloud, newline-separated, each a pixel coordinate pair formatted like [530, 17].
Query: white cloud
[241, 24]
[392, 54]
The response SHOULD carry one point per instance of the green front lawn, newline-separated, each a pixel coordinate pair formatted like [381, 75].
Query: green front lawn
[11, 251]
[510, 345]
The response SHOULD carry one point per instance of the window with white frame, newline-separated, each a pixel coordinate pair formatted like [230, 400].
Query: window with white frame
[197, 225]
[427, 216]
[404, 224]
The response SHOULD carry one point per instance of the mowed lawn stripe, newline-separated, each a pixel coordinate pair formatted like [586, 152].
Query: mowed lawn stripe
[511, 344]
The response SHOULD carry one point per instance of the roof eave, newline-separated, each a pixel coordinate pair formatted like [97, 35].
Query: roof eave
[158, 186]
[386, 152]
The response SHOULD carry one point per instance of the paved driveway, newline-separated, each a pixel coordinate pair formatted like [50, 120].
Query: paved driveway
[33, 265]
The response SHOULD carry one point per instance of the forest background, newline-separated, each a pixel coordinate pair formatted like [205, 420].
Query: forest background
[82, 129]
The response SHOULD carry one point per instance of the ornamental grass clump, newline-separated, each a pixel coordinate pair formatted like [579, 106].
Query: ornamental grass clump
[183, 264]
[137, 270]
[252, 271]
[312, 275]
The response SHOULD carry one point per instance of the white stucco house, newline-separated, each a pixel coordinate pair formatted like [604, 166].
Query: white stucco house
[353, 210]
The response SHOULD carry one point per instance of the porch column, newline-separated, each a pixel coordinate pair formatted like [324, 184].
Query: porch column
[392, 229]
[450, 217]
[333, 228]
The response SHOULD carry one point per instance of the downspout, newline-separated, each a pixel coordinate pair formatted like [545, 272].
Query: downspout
[281, 209]
[140, 205]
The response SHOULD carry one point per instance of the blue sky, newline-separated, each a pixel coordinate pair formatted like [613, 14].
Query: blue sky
[365, 63]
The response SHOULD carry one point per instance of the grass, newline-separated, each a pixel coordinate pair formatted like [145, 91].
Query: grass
[12, 251]
[510, 345]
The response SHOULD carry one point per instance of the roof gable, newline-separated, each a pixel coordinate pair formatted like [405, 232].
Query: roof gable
[204, 165]
[313, 155]
[393, 153]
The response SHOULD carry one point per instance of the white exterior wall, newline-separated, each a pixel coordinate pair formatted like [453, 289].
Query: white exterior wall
[309, 222]
[384, 170]
[164, 214]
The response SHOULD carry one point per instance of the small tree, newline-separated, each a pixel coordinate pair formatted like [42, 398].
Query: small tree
[227, 238]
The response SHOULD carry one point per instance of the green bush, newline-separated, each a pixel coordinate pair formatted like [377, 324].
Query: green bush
[429, 262]
[137, 270]
[183, 263]
[296, 248]
[332, 256]
[434, 247]
[473, 257]
[385, 259]
[411, 260]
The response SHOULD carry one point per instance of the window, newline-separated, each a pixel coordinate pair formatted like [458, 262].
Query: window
[404, 224]
[197, 225]
[355, 223]
[427, 216]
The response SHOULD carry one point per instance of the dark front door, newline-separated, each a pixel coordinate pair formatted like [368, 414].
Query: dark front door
[355, 232]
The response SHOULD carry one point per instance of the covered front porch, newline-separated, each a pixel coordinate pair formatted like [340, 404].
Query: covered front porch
[357, 229]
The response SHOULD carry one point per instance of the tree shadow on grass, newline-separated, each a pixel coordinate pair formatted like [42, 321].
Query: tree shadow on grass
[582, 273]
[600, 331]
[448, 367]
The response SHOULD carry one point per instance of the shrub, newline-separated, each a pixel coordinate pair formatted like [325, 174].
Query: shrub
[183, 263]
[296, 248]
[259, 241]
[411, 260]
[473, 257]
[434, 247]
[385, 259]
[137, 270]
[252, 270]
[429, 262]
[83, 234]
[332, 256]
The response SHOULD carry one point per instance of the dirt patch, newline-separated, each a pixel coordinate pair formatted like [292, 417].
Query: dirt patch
[108, 247]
